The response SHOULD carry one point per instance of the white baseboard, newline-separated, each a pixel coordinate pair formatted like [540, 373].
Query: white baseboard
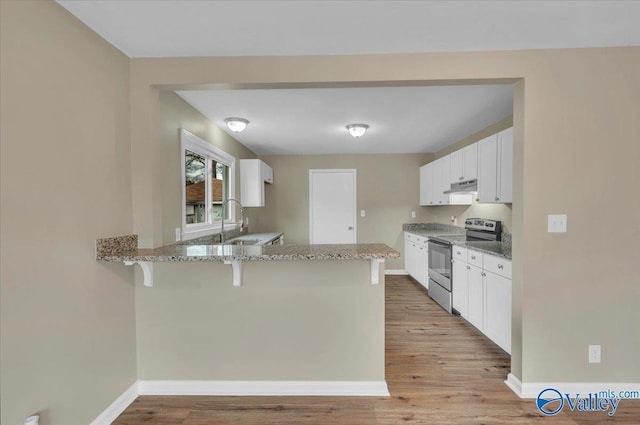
[532, 389]
[117, 407]
[395, 272]
[265, 388]
[515, 384]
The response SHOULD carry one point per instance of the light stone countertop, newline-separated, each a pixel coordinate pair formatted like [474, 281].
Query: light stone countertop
[365, 251]
[497, 248]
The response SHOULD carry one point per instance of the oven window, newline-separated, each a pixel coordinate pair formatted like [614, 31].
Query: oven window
[440, 260]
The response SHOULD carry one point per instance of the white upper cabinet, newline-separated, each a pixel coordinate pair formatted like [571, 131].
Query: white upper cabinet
[443, 169]
[470, 162]
[495, 168]
[464, 164]
[505, 168]
[254, 173]
[426, 184]
[488, 169]
[434, 181]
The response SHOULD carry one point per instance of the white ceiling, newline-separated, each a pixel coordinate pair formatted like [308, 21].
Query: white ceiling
[167, 28]
[312, 121]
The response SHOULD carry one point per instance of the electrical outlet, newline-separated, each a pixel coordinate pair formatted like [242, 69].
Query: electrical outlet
[362, 213]
[594, 354]
[557, 223]
[178, 234]
[246, 221]
[413, 214]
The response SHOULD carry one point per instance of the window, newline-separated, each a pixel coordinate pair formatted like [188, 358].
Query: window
[208, 177]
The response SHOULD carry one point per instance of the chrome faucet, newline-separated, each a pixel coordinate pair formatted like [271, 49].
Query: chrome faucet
[241, 217]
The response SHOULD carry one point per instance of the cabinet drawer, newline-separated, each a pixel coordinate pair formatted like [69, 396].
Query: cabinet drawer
[409, 236]
[460, 253]
[422, 240]
[498, 265]
[475, 258]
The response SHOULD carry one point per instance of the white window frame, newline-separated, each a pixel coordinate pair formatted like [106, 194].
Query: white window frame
[191, 142]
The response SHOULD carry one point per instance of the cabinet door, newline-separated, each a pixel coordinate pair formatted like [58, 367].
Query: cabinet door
[460, 288]
[422, 261]
[497, 319]
[457, 167]
[505, 166]
[476, 297]
[443, 170]
[266, 173]
[426, 185]
[470, 162]
[488, 169]
[407, 253]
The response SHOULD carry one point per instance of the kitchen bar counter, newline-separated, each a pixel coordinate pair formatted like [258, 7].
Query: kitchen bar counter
[208, 315]
[125, 249]
[111, 250]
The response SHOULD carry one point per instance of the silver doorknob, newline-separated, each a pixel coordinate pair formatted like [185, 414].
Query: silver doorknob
[350, 227]
[497, 199]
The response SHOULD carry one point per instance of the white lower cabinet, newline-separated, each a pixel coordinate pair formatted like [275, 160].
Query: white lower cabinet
[476, 297]
[482, 293]
[497, 318]
[416, 257]
[460, 272]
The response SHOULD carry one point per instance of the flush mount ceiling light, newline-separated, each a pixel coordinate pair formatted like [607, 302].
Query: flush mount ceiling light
[357, 130]
[236, 125]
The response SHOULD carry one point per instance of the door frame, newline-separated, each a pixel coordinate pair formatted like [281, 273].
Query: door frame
[354, 176]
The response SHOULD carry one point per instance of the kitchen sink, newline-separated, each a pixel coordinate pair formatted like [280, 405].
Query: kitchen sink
[242, 242]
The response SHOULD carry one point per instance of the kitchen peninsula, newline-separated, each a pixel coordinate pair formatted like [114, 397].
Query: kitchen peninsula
[302, 322]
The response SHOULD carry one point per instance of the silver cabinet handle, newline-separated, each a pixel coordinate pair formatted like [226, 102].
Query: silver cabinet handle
[473, 257]
[458, 252]
[468, 267]
[420, 248]
[460, 178]
[440, 201]
[497, 199]
[483, 274]
[500, 266]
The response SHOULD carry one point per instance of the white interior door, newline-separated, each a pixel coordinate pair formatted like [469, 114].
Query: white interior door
[332, 206]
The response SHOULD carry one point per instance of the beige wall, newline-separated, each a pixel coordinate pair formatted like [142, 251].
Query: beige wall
[290, 320]
[576, 152]
[175, 114]
[68, 323]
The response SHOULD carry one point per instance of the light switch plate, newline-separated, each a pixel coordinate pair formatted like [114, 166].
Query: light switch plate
[557, 223]
[362, 213]
[178, 234]
[413, 214]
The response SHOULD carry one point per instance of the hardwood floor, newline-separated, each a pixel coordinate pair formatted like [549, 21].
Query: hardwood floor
[440, 370]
